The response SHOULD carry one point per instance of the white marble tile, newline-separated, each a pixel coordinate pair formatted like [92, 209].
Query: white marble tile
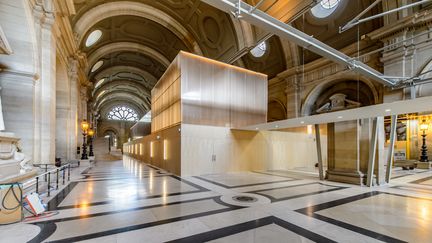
[269, 233]
[123, 186]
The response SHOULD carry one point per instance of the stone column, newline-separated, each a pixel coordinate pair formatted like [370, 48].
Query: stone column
[45, 87]
[73, 116]
[293, 97]
[82, 112]
[348, 151]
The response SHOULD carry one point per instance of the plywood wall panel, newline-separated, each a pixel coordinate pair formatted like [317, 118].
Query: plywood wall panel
[218, 94]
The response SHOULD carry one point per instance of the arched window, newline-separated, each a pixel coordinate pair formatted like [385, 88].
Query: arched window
[93, 38]
[123, 113]
[259, 50]
[325, 8]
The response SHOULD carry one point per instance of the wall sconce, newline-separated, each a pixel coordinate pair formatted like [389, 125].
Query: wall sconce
[151, 149]
[165, 149]
[309, 129]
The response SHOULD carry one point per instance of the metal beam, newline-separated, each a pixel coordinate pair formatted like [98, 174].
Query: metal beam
[269, 23]
[319, 153]
[391, 147]
[356, 18]
[357, 21]
[372, 152]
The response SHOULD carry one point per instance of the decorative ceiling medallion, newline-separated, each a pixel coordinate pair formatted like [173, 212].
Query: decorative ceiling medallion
[212, 30]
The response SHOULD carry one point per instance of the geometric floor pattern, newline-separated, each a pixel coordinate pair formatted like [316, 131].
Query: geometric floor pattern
[130, 201]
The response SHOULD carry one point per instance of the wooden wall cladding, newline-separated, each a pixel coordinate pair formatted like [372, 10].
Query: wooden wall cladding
[166, 99]
[218, 94]
[161, 149]
[201, 91]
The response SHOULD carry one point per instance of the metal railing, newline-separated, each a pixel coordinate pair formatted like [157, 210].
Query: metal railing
[47, 177]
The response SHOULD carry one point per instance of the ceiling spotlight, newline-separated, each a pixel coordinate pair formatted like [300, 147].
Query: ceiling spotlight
[387, 110]
[302, 122]
[340, 117]
[256, 128]
[276, 126]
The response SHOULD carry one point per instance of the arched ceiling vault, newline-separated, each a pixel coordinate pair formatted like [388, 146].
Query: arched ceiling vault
[134, 60]
[126, 47]
[121, 85]
[126, 97]
[91, 12]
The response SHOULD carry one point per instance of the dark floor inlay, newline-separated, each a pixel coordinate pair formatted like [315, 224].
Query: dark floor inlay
[311, 211]
[250, 225]
[247, 199]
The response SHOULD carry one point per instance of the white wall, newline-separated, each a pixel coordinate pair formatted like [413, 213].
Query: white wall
[244, 151]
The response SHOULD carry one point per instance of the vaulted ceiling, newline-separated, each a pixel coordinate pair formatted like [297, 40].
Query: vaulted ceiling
[140, 38]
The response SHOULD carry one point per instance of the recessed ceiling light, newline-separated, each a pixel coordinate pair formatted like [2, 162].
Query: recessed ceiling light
[387, 110]
[302, 122]
[340, 117]
[276, 126]
[256, 128]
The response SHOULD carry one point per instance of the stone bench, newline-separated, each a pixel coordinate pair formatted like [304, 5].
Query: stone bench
[405, 164]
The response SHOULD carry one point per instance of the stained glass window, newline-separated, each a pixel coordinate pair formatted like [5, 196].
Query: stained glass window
[122, 113]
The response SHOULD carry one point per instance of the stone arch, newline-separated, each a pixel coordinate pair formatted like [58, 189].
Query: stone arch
[143, 10]
[425, 89]
[105, 130]
[126, 46]
[127, 97]
[117, 69]
[276, 110]
[338, 85]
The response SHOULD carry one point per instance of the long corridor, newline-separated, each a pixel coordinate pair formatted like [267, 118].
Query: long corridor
[129, 201]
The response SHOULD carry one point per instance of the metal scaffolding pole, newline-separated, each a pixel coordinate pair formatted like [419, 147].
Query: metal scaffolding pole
[319, 153]
[269, 23]
[357, 21]
[391, 147]
[372, 152]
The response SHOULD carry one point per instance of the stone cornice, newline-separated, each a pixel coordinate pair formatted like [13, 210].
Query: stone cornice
[321, 67]
[33, 76]
[417, 19]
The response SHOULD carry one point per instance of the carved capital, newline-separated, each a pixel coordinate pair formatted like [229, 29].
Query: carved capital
[73, 68]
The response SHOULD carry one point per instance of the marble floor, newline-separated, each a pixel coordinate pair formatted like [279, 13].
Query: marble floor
[129, 201]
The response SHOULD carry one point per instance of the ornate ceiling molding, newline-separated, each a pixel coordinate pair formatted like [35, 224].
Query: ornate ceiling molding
[124, 98]
[107, 74]
[5, 48]
[127, 46]
[118, 8]
[119, 85]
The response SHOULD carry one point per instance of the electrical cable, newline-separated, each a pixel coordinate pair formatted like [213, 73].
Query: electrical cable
[11, 188]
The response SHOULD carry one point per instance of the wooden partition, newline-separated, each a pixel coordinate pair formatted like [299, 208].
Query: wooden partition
[201, 91]
[166, 99]
[196, 92]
